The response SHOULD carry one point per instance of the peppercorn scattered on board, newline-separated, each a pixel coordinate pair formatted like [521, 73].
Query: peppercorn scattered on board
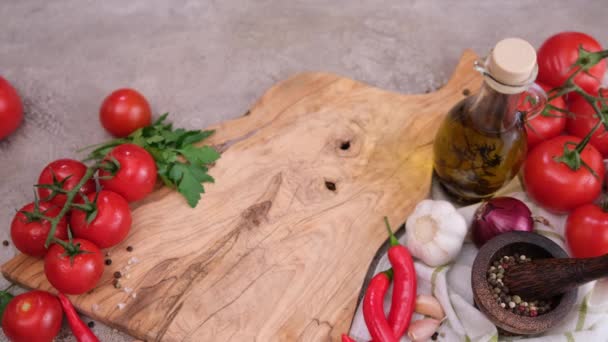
[280, 245]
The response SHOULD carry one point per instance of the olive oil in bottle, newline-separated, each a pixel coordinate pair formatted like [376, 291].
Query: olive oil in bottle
[481, 144]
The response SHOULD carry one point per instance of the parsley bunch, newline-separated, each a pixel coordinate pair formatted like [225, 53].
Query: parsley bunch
[181, 164]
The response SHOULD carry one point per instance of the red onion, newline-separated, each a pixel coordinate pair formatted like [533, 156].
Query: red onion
[500, 215]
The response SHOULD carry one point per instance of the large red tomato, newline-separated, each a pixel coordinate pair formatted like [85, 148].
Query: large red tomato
[135, 175]
[553, 184]
[112, 220]
[29, 234]
[11, 109]
[33, 316]
[587, 231]
[124, 111]
[557, 54]
[74, 272]
[547, 124]
[69, 172]
[585, 119]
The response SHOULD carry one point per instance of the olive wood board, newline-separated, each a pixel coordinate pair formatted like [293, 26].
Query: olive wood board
[279, 247]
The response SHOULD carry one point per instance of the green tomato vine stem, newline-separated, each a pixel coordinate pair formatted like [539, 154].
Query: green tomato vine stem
[68, 203]
[585, 61]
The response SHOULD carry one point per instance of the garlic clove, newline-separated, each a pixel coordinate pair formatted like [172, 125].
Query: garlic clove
[422, 329]
[429, 306]
[425, 207]
[443, 208]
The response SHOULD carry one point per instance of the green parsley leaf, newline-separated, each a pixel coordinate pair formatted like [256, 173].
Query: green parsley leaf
[166, 145]
[5, 298]
[199, 155]
[191, 137]
[187, 183]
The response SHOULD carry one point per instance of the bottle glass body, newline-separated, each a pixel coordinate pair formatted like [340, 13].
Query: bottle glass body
[481, 145]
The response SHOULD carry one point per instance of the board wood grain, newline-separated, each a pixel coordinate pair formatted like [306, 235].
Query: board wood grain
[279, 246]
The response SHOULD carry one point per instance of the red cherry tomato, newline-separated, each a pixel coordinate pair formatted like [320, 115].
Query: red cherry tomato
[29, 236]
[585, 119]
[136, 174]
[559, 52]
[545, 125]
[11, 109]
[111, 223]
[587, 231]
[33, 316]
[124, 111]
[77, 274]
[62, 169]
[553, 184]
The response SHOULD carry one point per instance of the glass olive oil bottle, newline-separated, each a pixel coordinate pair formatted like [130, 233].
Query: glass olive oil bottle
[481, 144]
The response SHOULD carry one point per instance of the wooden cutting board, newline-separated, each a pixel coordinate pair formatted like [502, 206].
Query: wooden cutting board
[279, 246]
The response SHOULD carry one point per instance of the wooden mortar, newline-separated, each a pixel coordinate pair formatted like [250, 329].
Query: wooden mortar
[536, 247]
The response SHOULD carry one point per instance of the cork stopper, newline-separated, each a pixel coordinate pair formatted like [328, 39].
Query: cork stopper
[513, 62]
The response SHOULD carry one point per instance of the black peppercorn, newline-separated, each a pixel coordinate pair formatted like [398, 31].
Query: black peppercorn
[129, 249]
[434, 337]
[5, 243]
[502, 295]
[91, 324]
[117, 275]
[108, 262]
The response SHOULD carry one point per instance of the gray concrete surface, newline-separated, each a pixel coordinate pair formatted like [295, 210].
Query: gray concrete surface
[206, 61]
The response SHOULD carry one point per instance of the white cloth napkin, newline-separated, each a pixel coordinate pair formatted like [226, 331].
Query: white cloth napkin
[451, 285]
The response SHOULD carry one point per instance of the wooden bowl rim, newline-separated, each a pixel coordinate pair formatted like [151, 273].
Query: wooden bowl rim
[505, 319]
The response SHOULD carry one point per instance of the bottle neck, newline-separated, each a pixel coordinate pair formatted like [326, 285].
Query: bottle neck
[493, 111]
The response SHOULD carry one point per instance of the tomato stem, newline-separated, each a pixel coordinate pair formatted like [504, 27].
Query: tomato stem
[62, 243]
[68, 204]
[56, 186]
[568, 87]
[36, 214]
[604, 205]
[71, 249]
[581, 146]
[116, 142]
[585, 61]
[111, 165]
[572, 157]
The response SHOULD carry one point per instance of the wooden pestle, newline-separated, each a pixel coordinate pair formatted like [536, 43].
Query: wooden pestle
[545, 278]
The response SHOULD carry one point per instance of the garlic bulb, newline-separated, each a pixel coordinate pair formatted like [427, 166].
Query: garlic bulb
[435, 232]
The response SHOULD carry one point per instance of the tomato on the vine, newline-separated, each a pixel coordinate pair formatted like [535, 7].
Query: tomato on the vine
[557, 55]
[33, 316]
[111, 222]
[66, 173]
[584, 119]
[75, 270]
[548, 123]
[29, 233]
[587, 231]
[124, 111]
[11, 109]
[556, 186]
[129, 171]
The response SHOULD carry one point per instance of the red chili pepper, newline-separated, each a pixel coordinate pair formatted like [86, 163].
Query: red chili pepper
[346, 338]
[373, 309]
[80, 330]
[404, 285]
